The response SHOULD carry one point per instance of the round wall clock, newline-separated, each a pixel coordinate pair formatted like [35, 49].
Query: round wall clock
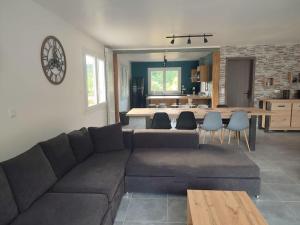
[53, 60]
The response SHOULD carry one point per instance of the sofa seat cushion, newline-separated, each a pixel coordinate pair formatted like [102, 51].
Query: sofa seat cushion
[59, 153]
[65, 209]
[30, 175]
[209, 161]
[100, 173]
[8, 206]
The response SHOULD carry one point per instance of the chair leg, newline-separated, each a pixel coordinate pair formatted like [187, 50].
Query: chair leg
[213, 136]
[220, 136]
[229, 136]
[204, 137]
[238, 137]
[246, 139]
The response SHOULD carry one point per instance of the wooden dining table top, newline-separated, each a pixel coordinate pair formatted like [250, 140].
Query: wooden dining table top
[198, 112]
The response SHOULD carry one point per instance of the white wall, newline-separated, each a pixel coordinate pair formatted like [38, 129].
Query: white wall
[43, 110]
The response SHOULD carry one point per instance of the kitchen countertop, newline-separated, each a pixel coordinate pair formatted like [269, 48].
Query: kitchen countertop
[177, 97]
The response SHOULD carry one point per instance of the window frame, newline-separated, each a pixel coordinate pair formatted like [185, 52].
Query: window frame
[164, 69]
[97, 58]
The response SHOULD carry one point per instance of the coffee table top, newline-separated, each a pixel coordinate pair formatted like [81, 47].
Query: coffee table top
[222, 208]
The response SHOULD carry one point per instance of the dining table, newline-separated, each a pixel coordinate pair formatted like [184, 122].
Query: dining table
[253, 114]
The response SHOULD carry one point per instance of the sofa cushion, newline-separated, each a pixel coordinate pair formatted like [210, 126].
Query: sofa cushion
[100, 173]
[209, 161]
[30, 175]
[8, 206]
[65, 209]
[153, 138]
[81, 144]
[59, 153]
[107, 138]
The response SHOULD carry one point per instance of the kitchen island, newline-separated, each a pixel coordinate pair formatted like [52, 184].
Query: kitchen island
[178, 99]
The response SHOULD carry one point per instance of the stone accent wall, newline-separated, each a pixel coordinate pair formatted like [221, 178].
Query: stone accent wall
[271, 61]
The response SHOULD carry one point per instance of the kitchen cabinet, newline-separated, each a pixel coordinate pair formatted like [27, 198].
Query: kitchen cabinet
[285, 114]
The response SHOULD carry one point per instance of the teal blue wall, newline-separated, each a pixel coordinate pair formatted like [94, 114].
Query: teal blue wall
[140, 69]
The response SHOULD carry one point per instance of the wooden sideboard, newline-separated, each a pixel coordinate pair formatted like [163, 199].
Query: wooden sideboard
[285, 114]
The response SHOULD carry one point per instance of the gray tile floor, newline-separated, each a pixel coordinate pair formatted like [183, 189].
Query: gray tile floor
[278, 156]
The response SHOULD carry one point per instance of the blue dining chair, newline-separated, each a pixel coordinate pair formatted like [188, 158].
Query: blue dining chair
[239, 121]
[212, 122]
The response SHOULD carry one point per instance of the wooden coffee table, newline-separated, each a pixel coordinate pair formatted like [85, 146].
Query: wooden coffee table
[222, 208]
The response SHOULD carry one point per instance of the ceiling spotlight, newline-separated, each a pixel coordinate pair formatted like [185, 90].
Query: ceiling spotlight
[189, 41]
[173, 40]
[205, 39]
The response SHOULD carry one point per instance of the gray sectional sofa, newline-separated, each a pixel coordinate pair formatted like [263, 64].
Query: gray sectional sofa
[79, 178]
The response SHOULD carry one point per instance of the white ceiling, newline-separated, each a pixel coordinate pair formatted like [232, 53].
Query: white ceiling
[159, 56]
[145, 23]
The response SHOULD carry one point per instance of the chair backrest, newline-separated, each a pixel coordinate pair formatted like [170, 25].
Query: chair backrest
[212, 121]
[186, 121]
[161, 121]
[238, 121]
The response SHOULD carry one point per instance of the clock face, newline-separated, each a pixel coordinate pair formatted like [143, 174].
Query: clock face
[53, 60]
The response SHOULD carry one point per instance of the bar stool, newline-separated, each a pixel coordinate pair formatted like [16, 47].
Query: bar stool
[162, 105]
[213, 122]
[186, 121]
[152, 106]
[239, 121]
[161, 120]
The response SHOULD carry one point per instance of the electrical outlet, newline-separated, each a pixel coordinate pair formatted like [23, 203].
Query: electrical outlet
[12, 113]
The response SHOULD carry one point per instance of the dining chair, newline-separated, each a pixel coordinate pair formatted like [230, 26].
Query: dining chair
[186, 121]
[161, 120]
[225, 121]
[239, 121]
[212, 123]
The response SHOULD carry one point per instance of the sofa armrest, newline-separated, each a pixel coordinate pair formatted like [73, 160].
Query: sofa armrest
[153, 138]
[128, 138]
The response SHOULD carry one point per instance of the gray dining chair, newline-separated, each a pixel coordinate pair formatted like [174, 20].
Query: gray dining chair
[212, 123]
[239, 122]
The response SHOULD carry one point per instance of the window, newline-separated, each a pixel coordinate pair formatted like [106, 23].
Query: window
[164, 80]
[95, 80]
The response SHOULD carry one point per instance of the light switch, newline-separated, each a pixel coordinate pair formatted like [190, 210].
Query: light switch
[12, 113]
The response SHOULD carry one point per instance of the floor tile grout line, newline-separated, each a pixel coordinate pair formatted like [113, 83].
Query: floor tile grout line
[126, 211]
[167, 219]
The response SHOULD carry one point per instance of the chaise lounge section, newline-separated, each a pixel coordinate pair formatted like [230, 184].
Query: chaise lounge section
[159, 165]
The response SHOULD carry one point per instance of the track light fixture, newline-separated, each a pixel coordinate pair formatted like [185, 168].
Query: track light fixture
[189, 41]
[173, 40]
[205, 39]
[165, 61]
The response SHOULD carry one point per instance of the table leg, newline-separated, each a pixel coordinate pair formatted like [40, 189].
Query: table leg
[188, 214]
[252, 132]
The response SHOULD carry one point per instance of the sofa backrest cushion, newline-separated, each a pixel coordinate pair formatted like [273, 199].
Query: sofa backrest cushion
[153, 138]
[60, 154]
[30, 175]
[107, 138]
[81, 144]
[8, 206]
